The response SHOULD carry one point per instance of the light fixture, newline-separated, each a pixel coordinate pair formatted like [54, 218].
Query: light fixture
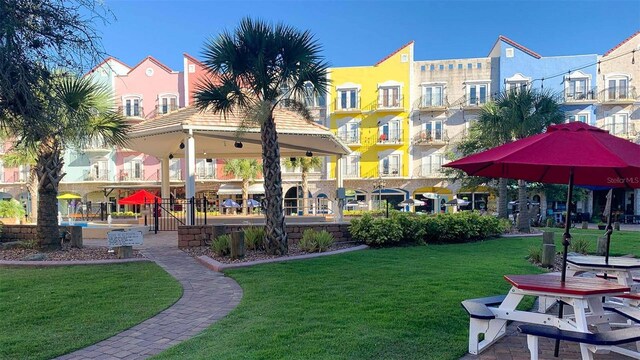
[238, 144]
[209, 160]
[309, 154]
[181, 145]
[170, 156]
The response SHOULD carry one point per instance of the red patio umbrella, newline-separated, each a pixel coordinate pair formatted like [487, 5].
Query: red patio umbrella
[139, 198]
[573, 153]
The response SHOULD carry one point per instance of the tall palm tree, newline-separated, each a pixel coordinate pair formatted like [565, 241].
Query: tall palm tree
[305, 164]
[247, 170]
[77, 112]
[252, 66]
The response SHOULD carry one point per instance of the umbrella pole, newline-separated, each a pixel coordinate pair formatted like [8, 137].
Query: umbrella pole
[566, 241]
[609, 230]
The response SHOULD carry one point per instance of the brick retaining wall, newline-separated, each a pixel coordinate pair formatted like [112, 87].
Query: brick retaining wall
[200, 235]
[10, 233]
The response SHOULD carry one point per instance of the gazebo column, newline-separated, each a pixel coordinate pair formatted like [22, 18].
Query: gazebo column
[165, 179]
[339, 184]
[190, 166]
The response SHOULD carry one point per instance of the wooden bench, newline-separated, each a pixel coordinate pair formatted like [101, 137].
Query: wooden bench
[613, 277]
[631, 313]
[479, 308]
[604, 339]
[480, 317]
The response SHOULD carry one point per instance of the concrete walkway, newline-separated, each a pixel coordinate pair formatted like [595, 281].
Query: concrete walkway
[208, 296]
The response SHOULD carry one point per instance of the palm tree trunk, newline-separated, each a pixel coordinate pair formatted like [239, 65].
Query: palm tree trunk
[305, 193]
[245, 195]
[502, 199]
[48, 170]
[32, 186]
[275, 232]
[523, 215]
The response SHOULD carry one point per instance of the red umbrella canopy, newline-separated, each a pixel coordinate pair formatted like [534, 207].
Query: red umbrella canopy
[139, 198]
[596, 157]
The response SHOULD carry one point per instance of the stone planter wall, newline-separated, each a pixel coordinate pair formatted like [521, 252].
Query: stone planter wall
[11, 233]
[201, 235]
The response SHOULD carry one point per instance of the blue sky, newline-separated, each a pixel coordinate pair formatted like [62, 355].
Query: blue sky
[362, 32]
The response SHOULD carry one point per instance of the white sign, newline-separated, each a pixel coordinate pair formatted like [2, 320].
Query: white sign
[124, 238]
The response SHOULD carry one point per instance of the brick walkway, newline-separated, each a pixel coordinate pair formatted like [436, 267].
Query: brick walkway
[208, 296]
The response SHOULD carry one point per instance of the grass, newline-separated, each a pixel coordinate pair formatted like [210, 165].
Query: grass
[396, 303]
[47, 312]
[622, 242]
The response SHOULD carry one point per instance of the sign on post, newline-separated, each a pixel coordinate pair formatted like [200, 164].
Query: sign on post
[124, 238]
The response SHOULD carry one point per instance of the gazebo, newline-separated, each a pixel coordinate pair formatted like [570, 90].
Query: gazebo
[190, 133]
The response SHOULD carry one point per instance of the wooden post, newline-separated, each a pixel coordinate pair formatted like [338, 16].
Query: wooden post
[585, 224]
[548, 255]
[601, 247]
[237, 244]
[124, 252]
[616, 226]
[547, 238]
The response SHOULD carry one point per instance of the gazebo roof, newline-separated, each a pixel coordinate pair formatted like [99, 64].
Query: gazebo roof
[215, 135]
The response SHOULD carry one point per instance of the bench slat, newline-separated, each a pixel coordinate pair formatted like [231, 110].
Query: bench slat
[607, 338]
[477, 310]
[626, 311]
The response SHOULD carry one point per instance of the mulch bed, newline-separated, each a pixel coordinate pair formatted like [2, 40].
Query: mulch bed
[71, 254]
[253, 255]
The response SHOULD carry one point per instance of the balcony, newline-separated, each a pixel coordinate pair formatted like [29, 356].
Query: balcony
[131, 112]
[351, 173]
[580, 97]
[165, 109]
[428, 172]
[97, 146]
[618, 95]
[201, 175]
[175, 175]
[139, 175]
[471, 103]
[394, 138]
[623, 131]
[390, 172]
[430, 138]
[339, 107]
[93, 176]
[389, 105]
[17, 177]
[432, 104]
[350, 137]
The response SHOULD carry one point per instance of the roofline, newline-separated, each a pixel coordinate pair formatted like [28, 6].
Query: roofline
[105, 61]
[155, 61]
[193, 59]
[621, 43]
[393, 53]
[515, 44]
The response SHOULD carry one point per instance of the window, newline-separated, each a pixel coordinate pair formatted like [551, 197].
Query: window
[433, 130]
[312, 99]
[351, 166]
[432, 95]
[477, 94]
[517, 82]
[389, 97]
[167, 104]
[441, 67]
[390, 132]
[618, 88]
[205, 169]
[459, 66]
[423, 68]
[583, 118]
[479, 65]
[348, 99]
[450, 66]
[133, 170]
[132, 106]
[350, 132]
[390, 165]
[577, 89]
[469, 66]
[99, 171]
[174, 169]
[617, 124]
[432, 164]
[432, 67]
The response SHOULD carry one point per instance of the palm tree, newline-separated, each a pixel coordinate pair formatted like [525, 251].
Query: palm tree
[77, 112]
[306, 164]
[252, 66]
[17, 156]
[247, 170]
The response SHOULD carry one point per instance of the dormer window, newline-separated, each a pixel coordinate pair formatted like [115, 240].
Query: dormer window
[577, 87]
[517, 82]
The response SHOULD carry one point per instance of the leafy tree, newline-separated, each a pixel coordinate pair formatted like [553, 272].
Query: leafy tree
[252, 66]
[77, 112]
[247, 170]
[305, 164]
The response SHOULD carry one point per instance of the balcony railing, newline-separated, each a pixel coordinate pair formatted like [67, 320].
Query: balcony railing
[338, 106]
[472, 102]
[581, 96]
[386, 104]
[626, 131]
[390, 172]
[175, 175]
[351, 172]
[430, 138]
[350, 137]
[165, 109]
[392, 138]
[92, 176]
[201, 175]
[618, 94]
[432, 103]
[132, 111]
[429, 172]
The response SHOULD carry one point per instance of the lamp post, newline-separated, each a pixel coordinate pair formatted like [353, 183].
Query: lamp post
[379, 185]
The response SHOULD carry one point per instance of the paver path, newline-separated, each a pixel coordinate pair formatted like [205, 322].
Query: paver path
[208, 296]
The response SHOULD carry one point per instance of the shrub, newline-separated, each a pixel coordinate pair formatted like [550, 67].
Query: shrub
[254, 238]
[11, 209]
[580, 245]
[412, 230]
[535, 254]
[308, 242]
[550, 222]
[376, 231]
[324, 240]
[221, 245]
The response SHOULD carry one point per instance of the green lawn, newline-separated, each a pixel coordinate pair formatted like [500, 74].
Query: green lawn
[396, 303]
[46, 312]
[622, 242]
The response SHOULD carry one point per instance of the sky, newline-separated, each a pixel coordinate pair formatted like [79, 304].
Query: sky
[355, 33]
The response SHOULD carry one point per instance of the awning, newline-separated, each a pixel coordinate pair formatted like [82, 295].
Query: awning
[230, 189]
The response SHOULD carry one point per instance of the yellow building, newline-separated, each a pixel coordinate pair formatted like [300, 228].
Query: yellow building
[369, 109]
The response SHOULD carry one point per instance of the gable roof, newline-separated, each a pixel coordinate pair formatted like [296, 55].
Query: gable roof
[622, 43]
[155, 61]
[393, 53]
[516, 45]
[193, 59]
[106, 61]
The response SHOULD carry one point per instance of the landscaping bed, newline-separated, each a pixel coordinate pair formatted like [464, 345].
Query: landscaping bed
[256, 255]
[71, 254]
